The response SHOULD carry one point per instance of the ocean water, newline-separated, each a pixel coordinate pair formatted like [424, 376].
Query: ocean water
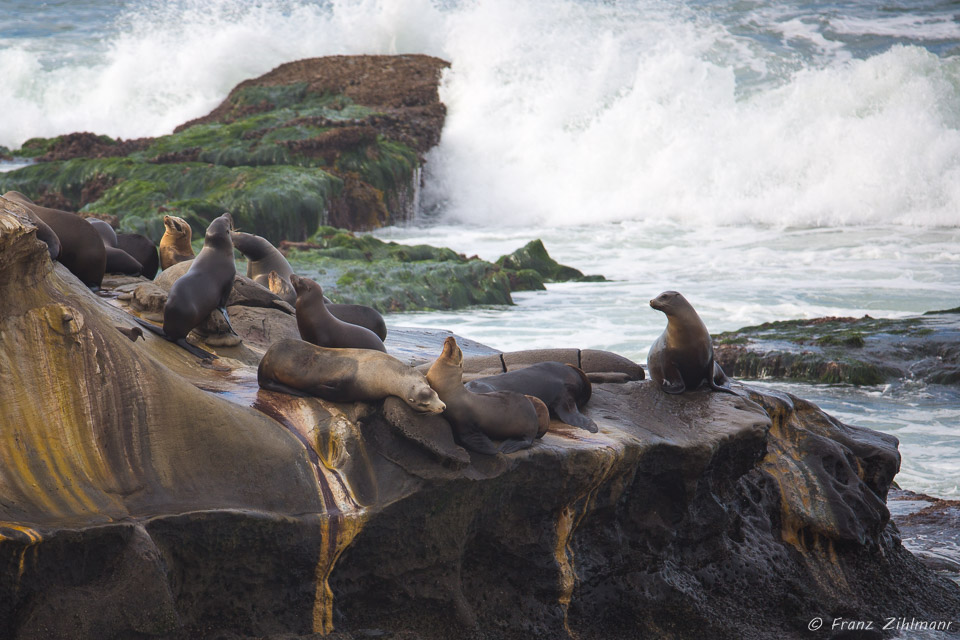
[771, 160]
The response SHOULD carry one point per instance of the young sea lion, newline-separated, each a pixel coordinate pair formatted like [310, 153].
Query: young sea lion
[205, 286]
[478, 417]
[681, 359]
[318, 326]
[81, 249]
[175, 244]
[262, 259]
[564, 388]
[143, 251]
[118, 260]
[343, 375]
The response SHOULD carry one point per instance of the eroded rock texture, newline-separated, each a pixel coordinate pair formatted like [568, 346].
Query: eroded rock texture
[144, 493]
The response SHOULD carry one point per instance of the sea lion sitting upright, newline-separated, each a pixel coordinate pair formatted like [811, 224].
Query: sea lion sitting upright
[681, 359]
[478, 417]
[175, 244]
[318, 326]
[118, 260]
[262, 258]
[81, 249]
[143, 251]
[564, 388]
[206, 286]
[343, 375]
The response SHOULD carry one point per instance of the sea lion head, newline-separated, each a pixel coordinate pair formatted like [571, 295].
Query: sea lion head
[446, 372]
[218, 232]
[670, 303]
[250, 245]
[422, 398]
[177, 227]
[303, 286]
[451, 354]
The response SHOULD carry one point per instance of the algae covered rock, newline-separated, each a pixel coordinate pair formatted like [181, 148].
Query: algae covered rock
[534, 257]
[334, 140]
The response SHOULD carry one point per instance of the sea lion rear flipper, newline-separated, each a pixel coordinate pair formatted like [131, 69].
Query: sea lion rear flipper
[573, 417]
[478, 442]
[718, 379]
[272, 385]
[515, 444]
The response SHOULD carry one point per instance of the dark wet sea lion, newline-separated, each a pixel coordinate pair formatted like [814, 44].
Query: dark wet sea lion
[318, 326]
[175, 244]
[344, 375]
[262, 258]
[143, 251]
[205, 286]
[81, 249]
[361, 315]
[564, 388]
[477, 417]
[681, 359]
[118, 260]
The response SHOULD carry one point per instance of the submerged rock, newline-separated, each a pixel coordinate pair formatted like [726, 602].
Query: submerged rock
[859, 351]
[144, 493]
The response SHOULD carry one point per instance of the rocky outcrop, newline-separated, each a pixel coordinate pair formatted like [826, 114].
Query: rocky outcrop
[144, 493]
[860, 351]
[337, 140]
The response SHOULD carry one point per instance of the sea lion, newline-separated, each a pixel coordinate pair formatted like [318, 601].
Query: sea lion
[343, 375]
[681, 359]
[205, 286]
[81, 249]
[564, 388]
[175, 244]
[263, 258]
[318, 326]
[44, 233]
[143, 251]
[360, 315]
[477, 417]
[118, 260]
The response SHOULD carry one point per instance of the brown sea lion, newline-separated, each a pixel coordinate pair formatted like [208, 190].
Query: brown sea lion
[681, 359]
[118, 260]
[318, 326]
[44, 233]
[360, 315]
[477, 417]
[207, 284]
[343, 375]
[143, 251]
[564, 388]
[175, 244]
[81, 249]
[263, 258]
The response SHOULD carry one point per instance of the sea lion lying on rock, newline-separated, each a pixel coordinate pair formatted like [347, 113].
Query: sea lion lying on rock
[564, 388]
[681, 359]
[143, 251]
[512, 417]
[118, 260]
[318, 326]
[344, 375]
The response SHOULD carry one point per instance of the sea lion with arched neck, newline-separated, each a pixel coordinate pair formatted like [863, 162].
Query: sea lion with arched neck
[320, 327]
[143, 251]
[564, 388]
[263, 258]
[175, 244]
[118, 260]
[81, 249]
[343, 375]
[205, 286]
[479, 418]
[681, 359]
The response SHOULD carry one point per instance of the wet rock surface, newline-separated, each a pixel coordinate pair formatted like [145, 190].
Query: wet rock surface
[861, 351]
[145, 493]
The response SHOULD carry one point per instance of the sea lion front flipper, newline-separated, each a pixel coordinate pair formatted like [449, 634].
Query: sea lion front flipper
[478, 442]
[197, 351]
[572, 416]
[226, 317]
[672, 380]
[272, 385]
[515, 444]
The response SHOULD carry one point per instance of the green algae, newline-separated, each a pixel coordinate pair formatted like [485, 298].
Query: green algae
[534, 257]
